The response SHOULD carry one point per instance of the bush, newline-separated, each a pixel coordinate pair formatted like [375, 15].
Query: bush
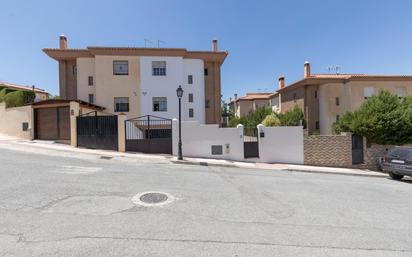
[19, 98]
[3, 93]
[271, 120]
[295, 117]
[252, 119]
[382, 119]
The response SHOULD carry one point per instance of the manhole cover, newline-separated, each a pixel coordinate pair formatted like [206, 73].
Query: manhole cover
[152, 199]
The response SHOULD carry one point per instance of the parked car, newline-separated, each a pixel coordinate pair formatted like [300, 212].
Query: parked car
[397, 162]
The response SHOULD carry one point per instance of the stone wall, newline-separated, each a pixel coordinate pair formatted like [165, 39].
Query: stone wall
[336, 151]
[328, 150]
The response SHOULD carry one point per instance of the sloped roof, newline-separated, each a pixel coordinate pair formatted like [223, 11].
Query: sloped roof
[22, 87]
[343, 78]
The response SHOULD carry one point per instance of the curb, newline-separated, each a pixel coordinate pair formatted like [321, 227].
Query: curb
[204, 164]
[337, 173]
[287, 169]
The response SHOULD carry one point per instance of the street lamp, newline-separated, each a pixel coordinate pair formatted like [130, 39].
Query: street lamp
[179, 92]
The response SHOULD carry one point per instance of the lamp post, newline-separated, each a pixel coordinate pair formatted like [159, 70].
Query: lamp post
[179, 92]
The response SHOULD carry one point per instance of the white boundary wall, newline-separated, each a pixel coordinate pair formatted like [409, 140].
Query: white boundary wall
[197, 140]
[281, 144]
[11, 121]
[276, 144]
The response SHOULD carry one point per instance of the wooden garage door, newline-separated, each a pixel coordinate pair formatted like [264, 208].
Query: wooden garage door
[53, 123]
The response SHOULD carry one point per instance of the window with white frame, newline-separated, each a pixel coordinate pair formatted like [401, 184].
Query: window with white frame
[120, 68]
[368, 92]
[159, 104]
[191, 113]
[190, 79]
[400, 92]
[159, 68]
[190, 95]
[121, 104]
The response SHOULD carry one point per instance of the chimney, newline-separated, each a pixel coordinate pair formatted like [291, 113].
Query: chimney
[63, 42]
[306, 70]
[281, 82]
[214, 45]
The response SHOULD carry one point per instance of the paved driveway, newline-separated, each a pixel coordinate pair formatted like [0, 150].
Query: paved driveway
[66, 204]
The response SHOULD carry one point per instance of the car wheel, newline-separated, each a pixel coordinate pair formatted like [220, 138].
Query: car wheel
[395, 176]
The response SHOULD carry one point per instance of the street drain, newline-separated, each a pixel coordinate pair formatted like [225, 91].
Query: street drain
[152, 199]
[106, 157]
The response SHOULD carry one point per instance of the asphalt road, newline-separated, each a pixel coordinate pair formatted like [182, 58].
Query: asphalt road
[67, 204]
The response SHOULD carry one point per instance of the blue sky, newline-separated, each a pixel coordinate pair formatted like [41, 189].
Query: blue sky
[264, 38]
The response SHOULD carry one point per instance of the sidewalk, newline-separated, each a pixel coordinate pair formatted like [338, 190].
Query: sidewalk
[191, 161]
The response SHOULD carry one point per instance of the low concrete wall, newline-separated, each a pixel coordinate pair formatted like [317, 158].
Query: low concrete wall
[198, 139]
[281, 144]
[12, 119]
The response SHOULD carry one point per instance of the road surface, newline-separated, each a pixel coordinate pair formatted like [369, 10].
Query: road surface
[72, 204]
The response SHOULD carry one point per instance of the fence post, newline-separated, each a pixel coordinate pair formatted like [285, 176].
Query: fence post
[175, 136]
[121, 132]
[74, 112]
[240, 128]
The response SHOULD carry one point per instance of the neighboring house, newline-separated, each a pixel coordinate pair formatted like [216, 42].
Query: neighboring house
[40, 94]
[324, 98]
[251, 102]
[143, 81]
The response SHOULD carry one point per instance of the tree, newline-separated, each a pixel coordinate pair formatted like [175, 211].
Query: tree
[382, 119]
[294, 117]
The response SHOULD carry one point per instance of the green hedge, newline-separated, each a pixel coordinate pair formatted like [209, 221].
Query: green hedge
[17, 98]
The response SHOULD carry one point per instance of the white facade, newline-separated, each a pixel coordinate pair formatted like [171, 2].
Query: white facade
[177, 72]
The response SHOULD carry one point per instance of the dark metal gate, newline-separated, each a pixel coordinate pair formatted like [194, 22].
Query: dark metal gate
[250, 142]
[149, 134]
[357, 149]
[97, 132]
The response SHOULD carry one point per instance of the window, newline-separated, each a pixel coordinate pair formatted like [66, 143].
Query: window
[91, 98]
[190, 79]
[400, 92]
[368, 92]
[90, 80]
[207, 104]
[120, 68]
[294, 97]
[121, 104]
[337, 101]
[190, 98]
[337, 118]
[74, 70]
[317, 125]
[159, 104]
[159, 68]
[206, 72]
[191, 114]
[316, 93]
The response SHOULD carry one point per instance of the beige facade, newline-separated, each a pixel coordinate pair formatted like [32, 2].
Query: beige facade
[350, 97]
[250, 103]
[109, 86]
[12, 120]
[324, 98]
